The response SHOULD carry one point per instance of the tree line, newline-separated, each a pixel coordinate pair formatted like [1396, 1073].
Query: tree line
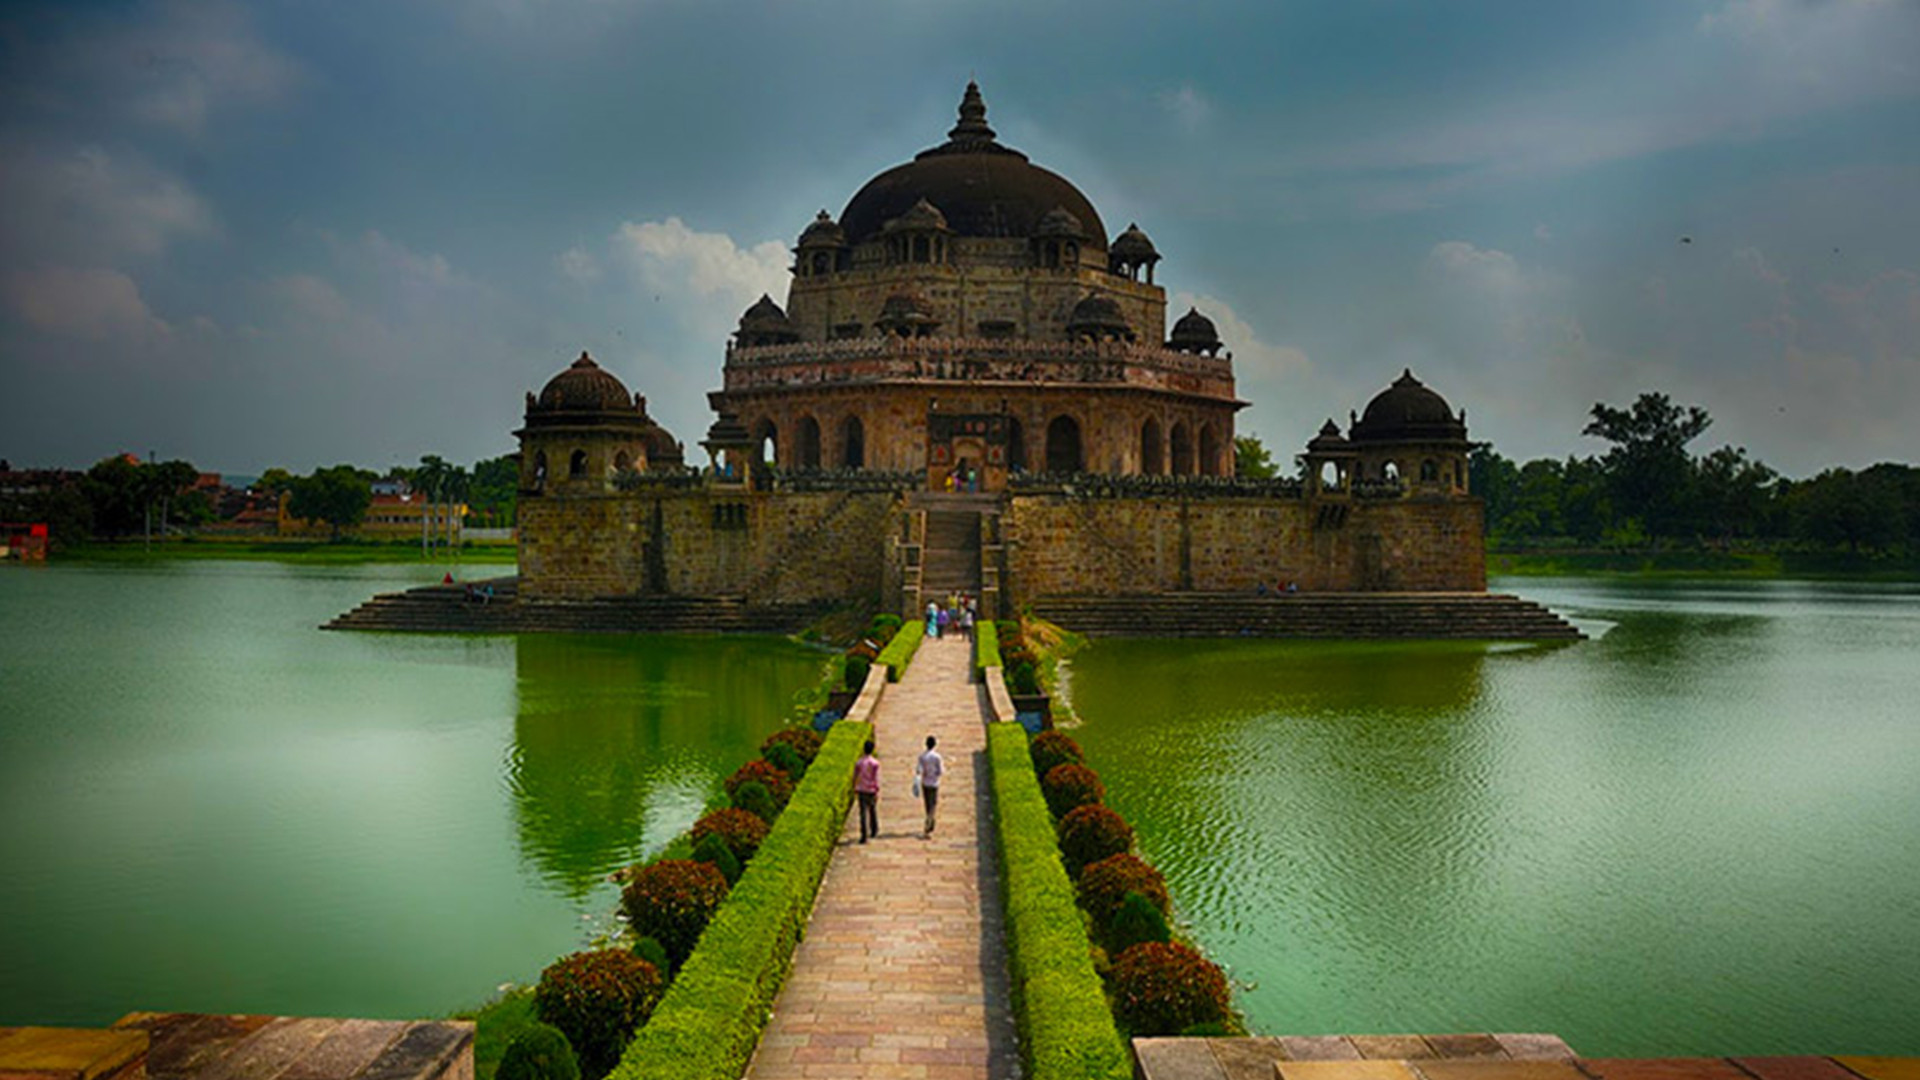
[1650, 490]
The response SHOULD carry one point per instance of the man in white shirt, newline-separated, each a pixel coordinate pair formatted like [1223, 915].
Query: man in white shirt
[932, 766]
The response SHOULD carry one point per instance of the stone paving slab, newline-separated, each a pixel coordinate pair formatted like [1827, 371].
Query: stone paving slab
[1883, 1068]
[902, 973]
[191, 1046]
[1793, 1068]
[1662, 1069]
[70, 1053]
[1498, 1070]
[1343, 1070]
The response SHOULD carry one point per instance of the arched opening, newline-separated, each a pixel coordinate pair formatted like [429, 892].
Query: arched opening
[822, 263]
[1016, 445]
[1063, 445]
[539, 470]
[1151, 461]
[853, 444]
[1390, 472]
[577, 463]
[766, 438]
[1429, 471]
[920, 249]
[1209, 451]
[622, 462]
[1329, 476]
[807, 455]
[1182, 449]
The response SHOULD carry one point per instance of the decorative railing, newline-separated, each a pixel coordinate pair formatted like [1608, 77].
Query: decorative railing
[854, 480]
[975, 359]
[1099, 486]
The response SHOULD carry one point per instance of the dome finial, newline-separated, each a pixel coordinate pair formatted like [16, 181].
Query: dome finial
[973, 117]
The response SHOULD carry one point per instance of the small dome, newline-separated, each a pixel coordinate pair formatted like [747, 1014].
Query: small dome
[727, 430]
[662, 447]
[1408, 410]
[583, 387]
[1194, 333]
[1060, 222]
[1133, 246]
[1329, 438]
[906, 311]
[922, 215]
[823, 231]
[1098, 314]
[765, 324]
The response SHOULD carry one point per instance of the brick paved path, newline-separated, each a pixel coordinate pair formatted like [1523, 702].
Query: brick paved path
[903, 971]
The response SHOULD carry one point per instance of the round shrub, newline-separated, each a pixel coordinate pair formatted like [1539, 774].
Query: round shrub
[539, 1052]
[1103, 885]
[1067, 786]
[755, 799]
[597, 1000]
[712, 849]
[1090, 833]
[1136, 923]
[787, 760]
[857, 668]
[884, 626]
[672, 900]
[806, 743]
[1023, 678]
[1163, 988]
[778, 784]
[1050, 748]
[741, 830]
[650, 950]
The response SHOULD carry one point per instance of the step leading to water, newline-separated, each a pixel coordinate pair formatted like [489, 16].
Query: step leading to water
[451, 609]
[1472, 616]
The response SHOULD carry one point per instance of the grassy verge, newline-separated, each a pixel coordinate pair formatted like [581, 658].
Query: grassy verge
[986, 648]
[711, 1017]
[494, 1026]
[345, 553]
[1066, 1028]
[1729, 564]
[899, 652]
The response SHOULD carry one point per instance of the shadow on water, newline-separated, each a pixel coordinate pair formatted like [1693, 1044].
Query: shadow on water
[618, 742]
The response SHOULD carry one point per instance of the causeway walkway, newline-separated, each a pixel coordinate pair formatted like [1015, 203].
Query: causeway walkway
[903, 972]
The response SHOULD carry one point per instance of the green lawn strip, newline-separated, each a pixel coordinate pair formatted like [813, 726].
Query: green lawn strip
[711, 1017]
[899, 652]
[494, 1026]
[986, 648]
[1066, 1027]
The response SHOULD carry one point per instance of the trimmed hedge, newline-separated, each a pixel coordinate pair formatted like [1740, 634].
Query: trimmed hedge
[899, 652]
[986, 649]
[707, 1025]
[1067, 1030]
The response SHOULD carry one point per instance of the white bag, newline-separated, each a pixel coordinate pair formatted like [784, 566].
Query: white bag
[916, 785]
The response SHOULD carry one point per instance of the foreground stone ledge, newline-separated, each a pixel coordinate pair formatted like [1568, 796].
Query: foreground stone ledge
[47, 1053]
[1470, 1057]
[197, 1046]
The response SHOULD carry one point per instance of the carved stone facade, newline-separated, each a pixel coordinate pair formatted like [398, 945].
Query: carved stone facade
[967, 324]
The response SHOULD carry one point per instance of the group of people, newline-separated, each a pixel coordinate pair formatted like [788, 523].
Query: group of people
[1285, 588]
[957, 614]
[927, 771]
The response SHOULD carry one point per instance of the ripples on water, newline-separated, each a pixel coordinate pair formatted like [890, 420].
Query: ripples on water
[1690, 835]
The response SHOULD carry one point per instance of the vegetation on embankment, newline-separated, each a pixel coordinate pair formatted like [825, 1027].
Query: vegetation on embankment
[297, 552]
[1703, 562]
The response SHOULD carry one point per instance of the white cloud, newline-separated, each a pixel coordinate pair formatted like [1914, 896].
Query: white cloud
[1187, 105]
[176, 63]
[94, 305]
[578, 265]
[1486, 268]
[86, 203]
[1542, 233]
[1252, 357]
[670, 256]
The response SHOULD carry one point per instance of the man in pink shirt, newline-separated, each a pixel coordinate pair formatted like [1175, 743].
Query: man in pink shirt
[866, 788]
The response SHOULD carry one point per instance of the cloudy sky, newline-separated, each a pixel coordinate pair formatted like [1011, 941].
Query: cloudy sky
[297, 234]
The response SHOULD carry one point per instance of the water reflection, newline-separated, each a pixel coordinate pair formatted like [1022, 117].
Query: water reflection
[618, 741]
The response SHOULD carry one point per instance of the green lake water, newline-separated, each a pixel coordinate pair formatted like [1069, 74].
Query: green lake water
[206, 804]
[1698, 832]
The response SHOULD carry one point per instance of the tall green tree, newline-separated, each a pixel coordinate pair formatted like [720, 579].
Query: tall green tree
[338, 496]
[1251, 459]
[496, 488]
[1648, 471]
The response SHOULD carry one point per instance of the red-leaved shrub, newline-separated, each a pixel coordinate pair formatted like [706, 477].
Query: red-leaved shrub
[1050, 748]
[1164, 988]
[1090, 833]
[671, 901]
[1067, 786]
[597, 1000]
[804, 741]
[738, 829]
[777, 783]
[1105, 883]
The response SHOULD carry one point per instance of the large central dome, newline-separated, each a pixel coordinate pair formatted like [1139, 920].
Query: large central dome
[983, 188]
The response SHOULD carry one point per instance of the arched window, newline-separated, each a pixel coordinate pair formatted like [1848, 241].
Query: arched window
[1390, 471]
[808, 453]
[767, 438]
[822, 263]
[1209, 451]
[853, 444]
[1329, 476]
[1016, 445]
[577, 464]
[1063, 445]
[1151, 460]
[539, 470]
[1182, 449]
[622, 462]
[1429, 471]
[920, 251]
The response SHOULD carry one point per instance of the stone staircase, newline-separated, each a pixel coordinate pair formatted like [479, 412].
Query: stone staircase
[447, 609]
[1476, 616]
[950, 560]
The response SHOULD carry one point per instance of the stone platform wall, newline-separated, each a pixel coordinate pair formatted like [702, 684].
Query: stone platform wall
[1059, 545]
[770, 547]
